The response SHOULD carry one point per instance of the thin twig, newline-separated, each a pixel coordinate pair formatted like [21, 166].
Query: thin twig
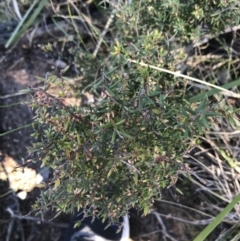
[38, 220]
[2, 97]
[197, 222]
[131, 166]
[177, 74]
[186, 208]
[106, 28]
[9, 230]
[164, 230]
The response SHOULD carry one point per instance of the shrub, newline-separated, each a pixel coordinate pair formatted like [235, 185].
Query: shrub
[122, 151]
